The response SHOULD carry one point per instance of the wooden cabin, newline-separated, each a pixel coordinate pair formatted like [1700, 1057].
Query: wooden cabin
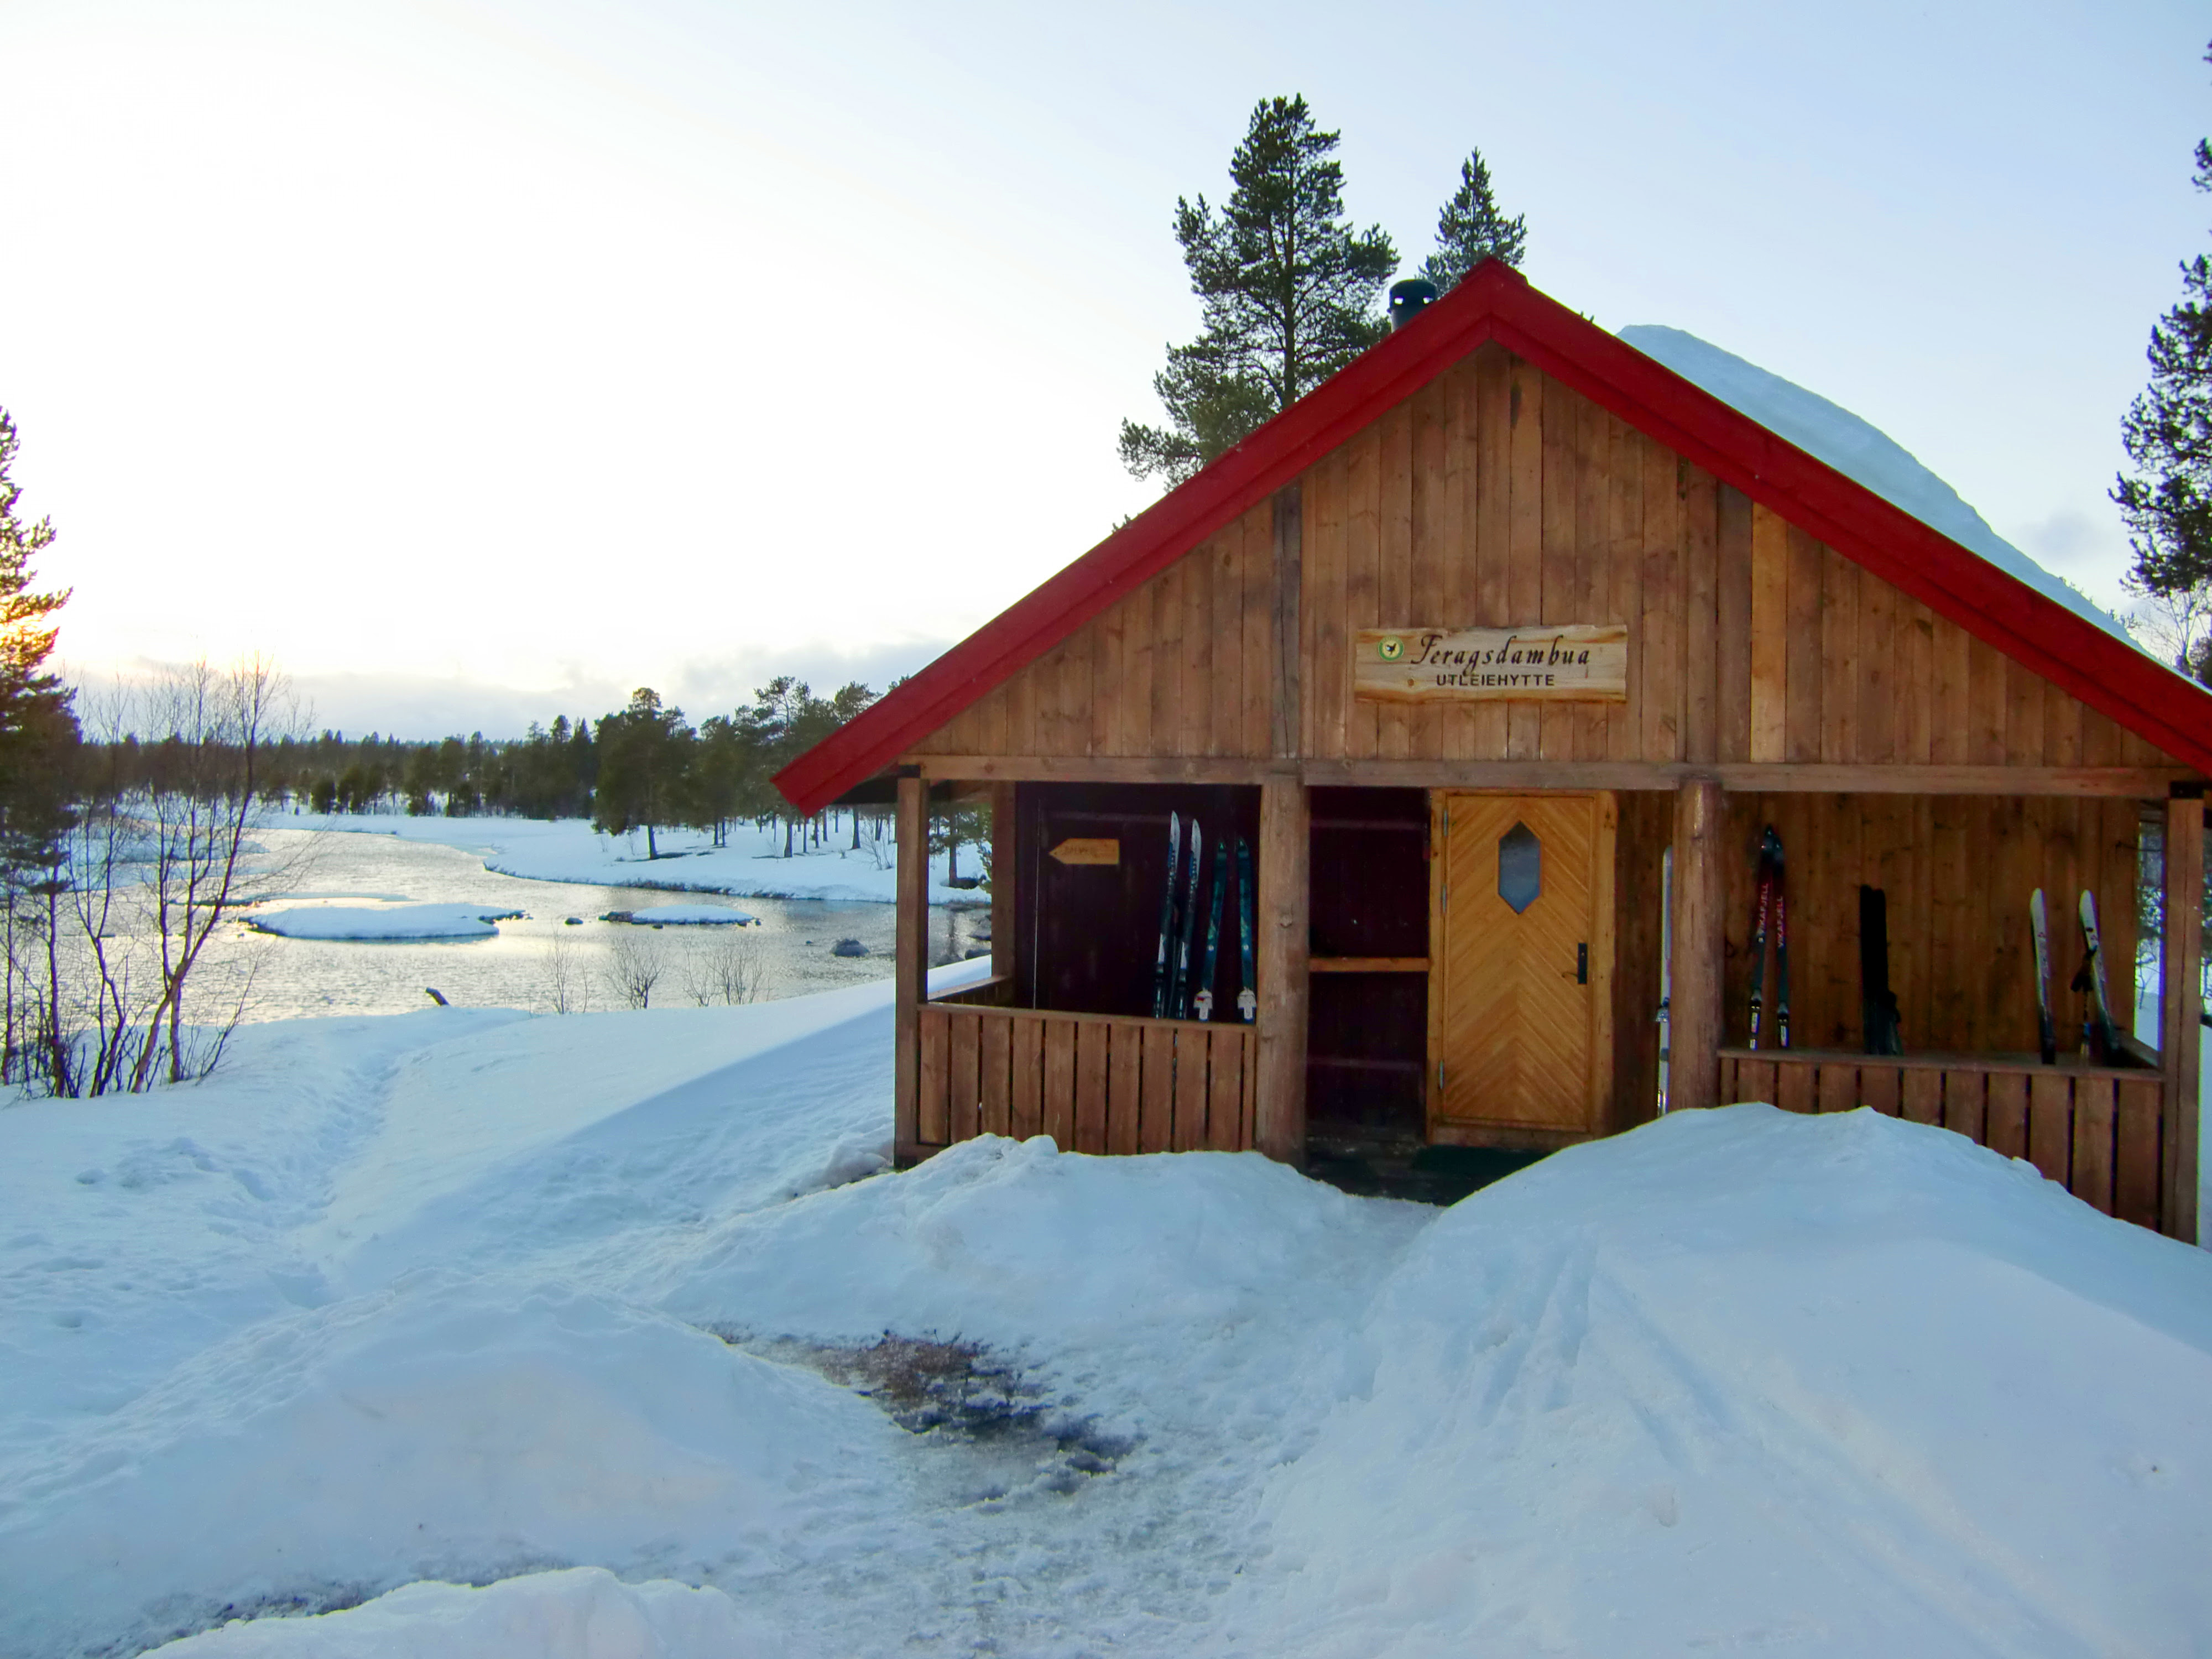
[1500, 651]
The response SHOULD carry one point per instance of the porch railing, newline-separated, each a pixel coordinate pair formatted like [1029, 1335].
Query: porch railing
[1095, 1083]
[2095, 1130]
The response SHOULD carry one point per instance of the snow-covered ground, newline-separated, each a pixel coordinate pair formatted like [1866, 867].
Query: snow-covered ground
[473, 1297]
[751, 867]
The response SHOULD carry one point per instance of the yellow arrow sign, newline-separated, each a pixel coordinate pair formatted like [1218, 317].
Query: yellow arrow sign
[1090, 850]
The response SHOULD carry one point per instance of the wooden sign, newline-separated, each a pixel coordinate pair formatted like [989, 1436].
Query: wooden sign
[1570, 662]
[1093, 850]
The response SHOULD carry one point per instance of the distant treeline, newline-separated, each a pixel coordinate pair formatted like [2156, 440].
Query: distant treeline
[644, 767]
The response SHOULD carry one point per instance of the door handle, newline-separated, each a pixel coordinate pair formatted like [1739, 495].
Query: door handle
[1582, 964]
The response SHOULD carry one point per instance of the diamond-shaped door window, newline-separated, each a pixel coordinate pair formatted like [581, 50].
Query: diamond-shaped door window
[1520, 867]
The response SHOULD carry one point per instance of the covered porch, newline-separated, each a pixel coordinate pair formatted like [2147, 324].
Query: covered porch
[1355, 1009]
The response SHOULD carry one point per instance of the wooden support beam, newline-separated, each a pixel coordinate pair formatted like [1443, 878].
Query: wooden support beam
[2181, 957]
[2081, 782]
[1288, 654]
[1694, 1008]
[909, 974]
[1285, 834]
[1005, 856]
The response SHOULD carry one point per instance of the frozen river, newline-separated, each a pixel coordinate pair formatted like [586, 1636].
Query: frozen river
[793, 937]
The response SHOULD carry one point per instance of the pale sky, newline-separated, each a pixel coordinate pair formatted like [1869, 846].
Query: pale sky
[482, 361]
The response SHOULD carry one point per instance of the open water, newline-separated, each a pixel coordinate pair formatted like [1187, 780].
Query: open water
[793, 939]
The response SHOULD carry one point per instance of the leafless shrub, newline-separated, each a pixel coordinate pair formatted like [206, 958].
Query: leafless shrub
[159, 854]
[732, 968]
[636, 964]
[564, 976]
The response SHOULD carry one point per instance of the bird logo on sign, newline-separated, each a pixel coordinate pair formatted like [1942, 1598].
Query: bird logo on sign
[1391, 649]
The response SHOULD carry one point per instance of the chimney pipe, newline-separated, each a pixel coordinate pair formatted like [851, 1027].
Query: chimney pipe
[1407, 300]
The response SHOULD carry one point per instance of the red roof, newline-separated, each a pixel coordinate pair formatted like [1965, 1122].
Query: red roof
[1497, 303]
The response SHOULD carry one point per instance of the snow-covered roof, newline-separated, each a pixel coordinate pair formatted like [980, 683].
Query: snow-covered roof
[1860, 452]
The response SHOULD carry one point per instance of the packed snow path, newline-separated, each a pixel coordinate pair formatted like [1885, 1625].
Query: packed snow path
[472, 1296]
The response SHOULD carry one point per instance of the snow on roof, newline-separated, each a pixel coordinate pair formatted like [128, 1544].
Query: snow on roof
[1860, 452]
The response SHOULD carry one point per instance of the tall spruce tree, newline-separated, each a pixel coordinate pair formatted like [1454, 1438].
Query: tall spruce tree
[38, 731]
[1471, 229]
[1289, 290]
[2166, 503]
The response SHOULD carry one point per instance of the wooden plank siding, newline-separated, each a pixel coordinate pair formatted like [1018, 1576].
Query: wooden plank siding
[1957, 870]
[1095, 1083]
[1494, 497]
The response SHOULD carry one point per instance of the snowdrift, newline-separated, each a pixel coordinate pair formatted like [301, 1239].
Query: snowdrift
[398, 921]
[1842, 1384]
[492, 1300]
[584, 1612]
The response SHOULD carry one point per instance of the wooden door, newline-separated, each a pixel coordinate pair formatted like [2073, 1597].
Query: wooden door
[1520, 988]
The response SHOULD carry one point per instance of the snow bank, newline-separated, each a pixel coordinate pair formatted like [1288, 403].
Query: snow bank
[427, 1433]
[1858, 450]
[584, 1612]
[1844, 1384]
[469, 1296]
[750, 865]
[685, 915]
[399, 921]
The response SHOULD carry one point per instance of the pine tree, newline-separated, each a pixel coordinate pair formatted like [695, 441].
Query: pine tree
[644, 753]
[38, 731]
[1471, 229]
[1289, 293]
[29, 693]
[2167, 503]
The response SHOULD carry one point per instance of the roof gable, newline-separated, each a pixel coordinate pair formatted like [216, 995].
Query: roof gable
[1496, 303]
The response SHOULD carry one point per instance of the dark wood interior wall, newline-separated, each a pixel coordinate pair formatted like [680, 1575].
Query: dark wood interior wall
[1958, 871]
[1087, 936]
[1496, 497]
[1367, 1033]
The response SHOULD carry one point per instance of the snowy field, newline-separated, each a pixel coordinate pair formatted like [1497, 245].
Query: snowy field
[591, 1313]
[751, 867]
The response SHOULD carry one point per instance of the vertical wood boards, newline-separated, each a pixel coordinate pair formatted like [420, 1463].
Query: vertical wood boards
[1770, 623]
[1646, 827]
[1958, 871]
[1097, 1084]
[910, 964]
[1005, 855]
[1696, 973]
[1286, 726]
[1496, 497]
[1521, 992]
[1286, 926]
[2181, 964]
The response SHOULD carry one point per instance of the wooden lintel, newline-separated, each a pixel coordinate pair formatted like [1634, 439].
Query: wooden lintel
[1740, 778]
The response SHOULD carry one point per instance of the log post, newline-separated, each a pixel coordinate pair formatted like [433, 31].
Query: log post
[1694, 970]
[910, 975]
[1005, 857]
[1284, 950]
[2181, 960]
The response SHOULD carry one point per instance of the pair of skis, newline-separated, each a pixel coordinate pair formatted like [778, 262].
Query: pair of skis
[1177, 993]
[1772, 906]
[2100, 1036]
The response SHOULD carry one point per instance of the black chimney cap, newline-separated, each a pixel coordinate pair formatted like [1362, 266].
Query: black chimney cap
[1407, 300]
